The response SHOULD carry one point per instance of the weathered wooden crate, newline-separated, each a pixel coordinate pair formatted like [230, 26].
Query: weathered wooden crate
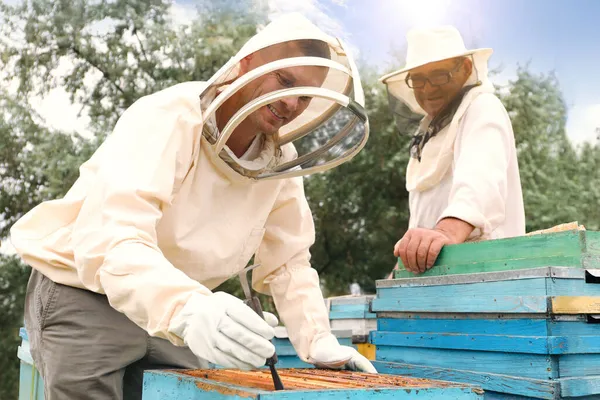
[299, 385]
[562, 249]
[527, 332]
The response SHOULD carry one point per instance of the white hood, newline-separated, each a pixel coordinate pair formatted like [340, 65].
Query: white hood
[341, 92]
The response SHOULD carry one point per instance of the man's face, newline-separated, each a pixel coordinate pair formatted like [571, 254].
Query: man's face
[448, 78]
[270, 118]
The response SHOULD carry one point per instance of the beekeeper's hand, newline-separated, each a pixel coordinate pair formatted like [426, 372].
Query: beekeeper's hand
[326, 352]
[221, 329]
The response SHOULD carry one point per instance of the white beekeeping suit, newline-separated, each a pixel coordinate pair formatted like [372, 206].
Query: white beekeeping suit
[164, 211]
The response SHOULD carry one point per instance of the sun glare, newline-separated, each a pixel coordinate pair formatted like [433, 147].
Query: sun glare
[422, 13]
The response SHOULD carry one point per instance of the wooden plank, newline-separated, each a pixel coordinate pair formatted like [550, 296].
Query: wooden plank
[489, 395]
[543, 272]
[299, 384]
[535, 366]
[574, 344]
[163, 385]
[476, 316]
[580, 386]
[574, 365]
[378, 394]
[536, 388]
[570, 243]
[349, 307]
[572, 328]
[554, 345]
[529, 287]
[494, 266]
[291, 362]
[523, 327]
[465, 304]
[575, 304]
[572, 287]
[502, 343]
[591, 242]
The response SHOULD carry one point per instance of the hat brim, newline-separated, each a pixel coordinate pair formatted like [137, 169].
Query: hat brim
[397, 74]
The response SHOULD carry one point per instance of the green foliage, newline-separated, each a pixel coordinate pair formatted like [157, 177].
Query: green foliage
[13, 281]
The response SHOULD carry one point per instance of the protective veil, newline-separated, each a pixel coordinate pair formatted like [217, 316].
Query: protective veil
[330, 131]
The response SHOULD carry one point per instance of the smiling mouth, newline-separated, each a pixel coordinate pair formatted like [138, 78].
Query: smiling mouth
[274, 112]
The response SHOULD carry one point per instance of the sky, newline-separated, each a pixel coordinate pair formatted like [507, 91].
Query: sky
[559, 36]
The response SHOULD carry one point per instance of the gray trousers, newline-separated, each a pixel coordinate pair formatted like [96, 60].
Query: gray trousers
[85, 349]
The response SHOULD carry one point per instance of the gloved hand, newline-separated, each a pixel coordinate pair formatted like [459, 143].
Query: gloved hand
[326, 352]
[221, 329]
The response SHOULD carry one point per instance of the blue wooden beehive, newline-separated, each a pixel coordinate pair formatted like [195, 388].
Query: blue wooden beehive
[299, 385]
[528, 332]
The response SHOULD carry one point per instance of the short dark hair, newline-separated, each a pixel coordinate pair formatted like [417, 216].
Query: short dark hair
[314, 48]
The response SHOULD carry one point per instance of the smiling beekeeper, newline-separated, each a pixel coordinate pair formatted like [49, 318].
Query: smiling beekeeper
[194, 181]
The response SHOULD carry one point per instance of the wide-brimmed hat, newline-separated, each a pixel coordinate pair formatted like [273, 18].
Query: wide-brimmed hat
[426, 46]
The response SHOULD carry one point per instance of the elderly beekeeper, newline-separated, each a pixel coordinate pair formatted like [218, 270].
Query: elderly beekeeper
[193, 181]
[463, 176]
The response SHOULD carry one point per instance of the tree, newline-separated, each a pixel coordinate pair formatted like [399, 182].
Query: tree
[550, 167]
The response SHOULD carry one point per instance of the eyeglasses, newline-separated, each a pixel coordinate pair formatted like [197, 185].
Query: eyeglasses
[435, 79]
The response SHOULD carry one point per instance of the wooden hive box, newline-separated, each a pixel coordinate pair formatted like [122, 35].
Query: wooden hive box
[299, 385]
[353, 313]
[563, 249]
[527, 331]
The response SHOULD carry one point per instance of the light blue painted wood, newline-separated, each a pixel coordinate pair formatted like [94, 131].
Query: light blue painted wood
[283, 347]
[531, 287]
[527, 365]
[576, 387]
[555, 345]
[568, 328]
[536, 388]
[457, 303]
[572, 287]
[577, 365]
[351, 315]
[524, 327]
[489, 395]
[162, 385]
[451, 393]
[474, 325]
[503, 343]
[349, 307]
[574, 344]
[291, 362]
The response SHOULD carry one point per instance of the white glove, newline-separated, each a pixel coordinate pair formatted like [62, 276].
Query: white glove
[326, 352]
[221, 329]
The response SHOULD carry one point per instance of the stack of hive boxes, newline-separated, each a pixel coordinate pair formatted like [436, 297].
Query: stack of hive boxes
[515, 316]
